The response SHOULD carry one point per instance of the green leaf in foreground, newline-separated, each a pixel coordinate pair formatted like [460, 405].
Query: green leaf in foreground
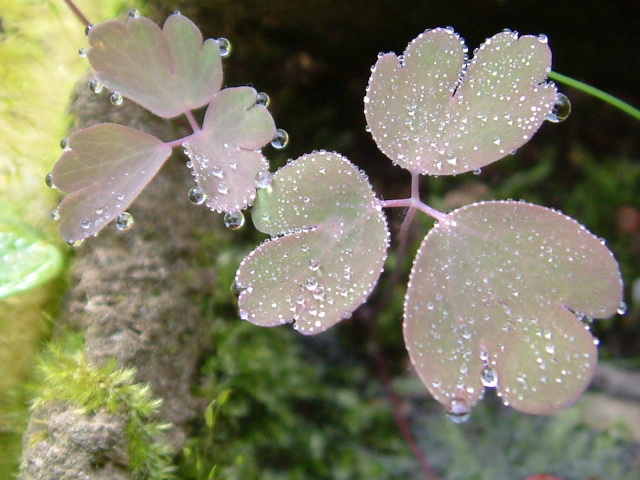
[26, 260]
[495, 299]
[330, 246]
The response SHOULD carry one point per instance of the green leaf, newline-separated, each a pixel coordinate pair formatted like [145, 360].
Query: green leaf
[26, 259]
[329, 251]
[431, 113]
[497, 292]
[168, 71]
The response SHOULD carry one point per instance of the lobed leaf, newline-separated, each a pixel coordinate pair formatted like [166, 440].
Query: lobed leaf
[168, 71]
[225, 154]
[431, 113]
[104, 169]
[26, 259]
[330, 250]
[499, 291]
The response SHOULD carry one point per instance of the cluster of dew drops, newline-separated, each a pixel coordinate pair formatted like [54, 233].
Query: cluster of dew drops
[124, 221]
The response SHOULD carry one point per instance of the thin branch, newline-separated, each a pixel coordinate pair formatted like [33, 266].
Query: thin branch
[77, 12]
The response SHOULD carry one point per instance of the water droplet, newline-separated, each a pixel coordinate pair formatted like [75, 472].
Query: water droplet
[55, 214]
[236, 289]
[622, 308]
[82, 52]
[550, 348]
[85, 223]
[489, 377]
[116, 99]
[124, 221]
[561, 109]
[223, 188]
[314, 264]
[216, 171]
[64, 143]
[196, 196]
[133, 13]
[48, 179]
[87, 30]
[263, 178]
[477, 171]
[233, 220]
[311, 284]
[452, 159]
[225, 47]
[280, 139]
[542, 38]
[262, 99]
[458, 411]
[95, 86]
[75, 243]
[99, 210]
[497, 141]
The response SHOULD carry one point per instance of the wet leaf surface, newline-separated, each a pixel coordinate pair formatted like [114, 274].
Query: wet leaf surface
[104, 169]
[225, 154]
[496, 297]
[431, 113]
[168, 71]
[329, 248]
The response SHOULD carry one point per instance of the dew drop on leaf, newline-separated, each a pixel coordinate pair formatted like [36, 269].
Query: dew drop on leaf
[85, 223]
[133, 13]
[263, 178]
[223, 188]
[75, 243]
[64, 143]
[82, 52]
[48, 179]
[233, 220]
[196, 196]
[489, 377]
[116, 99]
[622, 308]
[262, 99]
[458, 411]
[124, 221]
[87, 30]
[55, 214]
[280, 139]
[95, 86]
[561, 109]
[225, 47]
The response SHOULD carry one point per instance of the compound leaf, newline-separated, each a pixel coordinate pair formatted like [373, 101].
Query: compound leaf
[168, 71]
[26, 259]
[497, 294]
[225, 154]
[330, 250]
[431, 113]
[103, 170]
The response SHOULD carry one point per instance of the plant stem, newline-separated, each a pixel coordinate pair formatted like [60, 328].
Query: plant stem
[192, 121]
[77, 12]
[596, 92]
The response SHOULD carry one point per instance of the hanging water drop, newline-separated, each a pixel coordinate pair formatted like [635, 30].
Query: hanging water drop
[124, 221]
[236, 289]
[489, 377]
[87, 30]
[561, 109]
[280, 139]
[82, 52]
[48, 179]
[225, 47]
[95, 86]
[263, 178]
[477, 171]
[64, 143]
[197, 196]
[233, 220]
[262, 99]
[622, 308]
[133, 13]
[458, 411]
[75, 243]
[116, 99]
[55, 214]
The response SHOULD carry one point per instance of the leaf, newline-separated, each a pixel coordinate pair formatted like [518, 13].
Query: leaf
[330, 252]
[103, 171]
[26, 259]
[225, 154]
[499, 290]
[432, 114]
[168, 71]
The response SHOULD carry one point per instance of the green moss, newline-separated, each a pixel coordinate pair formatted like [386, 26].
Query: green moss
[65, 376]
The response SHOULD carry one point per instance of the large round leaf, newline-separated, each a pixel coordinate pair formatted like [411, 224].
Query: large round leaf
[431, 113]
[499, 290]
[168, 71]
[330, 250]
